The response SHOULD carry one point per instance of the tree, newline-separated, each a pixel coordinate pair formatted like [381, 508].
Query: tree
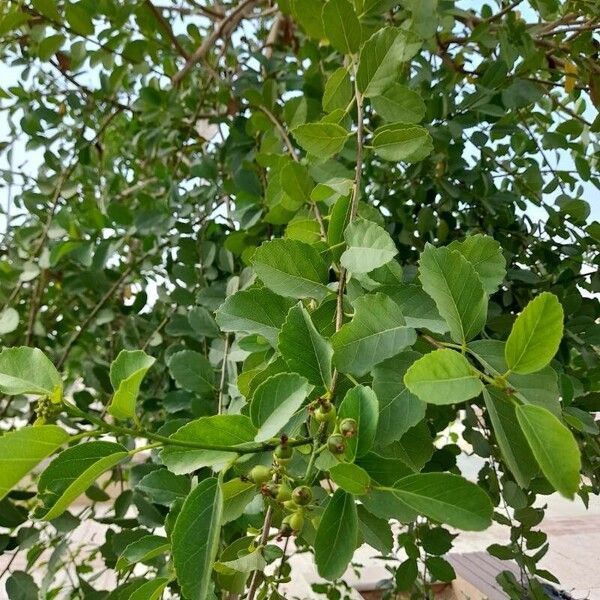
[271, 253]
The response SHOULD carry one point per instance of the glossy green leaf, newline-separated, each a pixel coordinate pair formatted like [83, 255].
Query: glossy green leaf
[143, 550]
[202, 322]
[375, 531]
[398, 103]
[485, 254]
[292, 269]
[360, 403]
[126, 374]
[553, 446]
[381, 58]
[341, 26]
[338, 91]
[321, 139]
[351, 478]
[402, 142]
[540, 388]
[23, 449]
[72, 472]
[25, 370]
[443, 377]
[336, 537]
[195, 538]
[255, 310]
[275, 401]
[451, 280]
[446, 498]
[377, 331]
[151, 590]
[218, 430]
[368, 246]
[237, 494]
[192, 371]
[513, 444]
[399, 409]
[304, 349]
[535, 335]
[163, 487]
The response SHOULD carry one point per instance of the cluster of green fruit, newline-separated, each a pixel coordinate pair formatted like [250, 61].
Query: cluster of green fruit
[46, 411]
[275, 482]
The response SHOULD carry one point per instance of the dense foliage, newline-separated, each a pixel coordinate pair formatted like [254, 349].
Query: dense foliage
[280, 266]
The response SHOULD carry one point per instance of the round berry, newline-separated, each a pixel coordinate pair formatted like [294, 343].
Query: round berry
[296, 521]
[348, 427]
[336, 444]
[284, 493]
[325, 413]
[259, 474]
[283, 454]
[302, 495]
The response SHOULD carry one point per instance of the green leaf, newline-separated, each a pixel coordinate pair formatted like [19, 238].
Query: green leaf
[255, 310]
[47, 8]
[402, 142]
[418, 308]
[399, 103]
[79, 19]
[195, 538]
[443, 377]
[25, 370]
[375, 531]
[539, 388]
[292, 269]
[192, 371]
[72, 472]
[553, 446]
[23, 449]
[321, 139]
[126, 374]
[377, 331]
[369, 246]
[336, 537]
[9, 320]
[163, 487]
[237, 494]
[338, 91]
[381, 58]
[304, 349]
[351, 478]
[485, 254]
[21, 586]
[399, 409]
[535, 335]
[360, 403]
[202, 322]
[150, 590]
[509, 436]
[296, 183]
[275, 401]
[446, 498]
[450, 279]
[142, 550]
[218, 430]
[341, 26]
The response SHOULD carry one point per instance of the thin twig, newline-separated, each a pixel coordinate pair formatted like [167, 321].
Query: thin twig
[166, 27]
[223, 373]
[263, 540]
[228, 22]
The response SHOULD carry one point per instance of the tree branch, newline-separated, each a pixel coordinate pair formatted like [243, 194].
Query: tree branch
[228, 22]
[166, 27]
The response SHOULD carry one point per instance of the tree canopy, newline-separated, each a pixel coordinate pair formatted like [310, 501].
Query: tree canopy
[270, 268]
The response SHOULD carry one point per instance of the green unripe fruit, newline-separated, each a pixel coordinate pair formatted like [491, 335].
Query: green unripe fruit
[283, 454]
[325, 413]
[336, 444]
[296, 521]
[290, 505]
[259, 474]
[348, 427]
[286, 529]
[284, 493]
[302, 495]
